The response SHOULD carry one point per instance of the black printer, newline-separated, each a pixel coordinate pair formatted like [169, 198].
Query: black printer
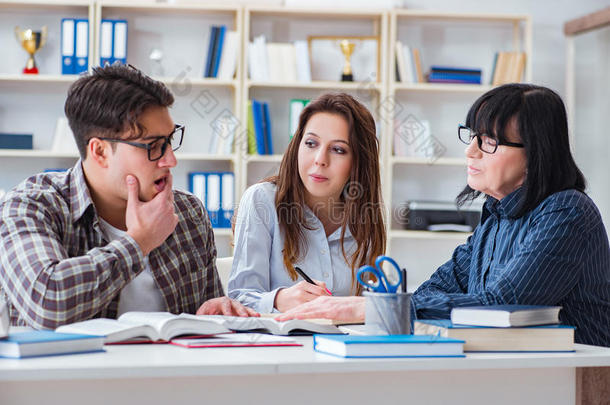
[441, 216]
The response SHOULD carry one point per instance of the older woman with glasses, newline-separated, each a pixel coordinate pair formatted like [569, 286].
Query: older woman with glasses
[541, 240]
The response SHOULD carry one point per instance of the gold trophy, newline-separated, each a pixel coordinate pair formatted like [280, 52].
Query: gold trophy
[31, 41]
[347, 48]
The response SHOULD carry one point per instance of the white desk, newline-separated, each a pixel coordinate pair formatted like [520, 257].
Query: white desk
[169, 374]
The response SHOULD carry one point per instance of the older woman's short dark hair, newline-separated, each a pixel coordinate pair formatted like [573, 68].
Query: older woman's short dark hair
[543, 129]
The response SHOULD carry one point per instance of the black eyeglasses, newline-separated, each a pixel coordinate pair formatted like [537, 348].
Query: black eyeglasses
[156, 149]
[487, 143]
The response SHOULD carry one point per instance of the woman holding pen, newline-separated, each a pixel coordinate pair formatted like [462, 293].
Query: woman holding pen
[320, 218]
[541, 240]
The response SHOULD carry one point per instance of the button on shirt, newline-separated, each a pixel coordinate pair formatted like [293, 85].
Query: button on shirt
[556, 254]
[258, 265]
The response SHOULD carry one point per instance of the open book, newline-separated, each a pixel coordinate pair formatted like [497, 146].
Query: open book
[163, 326]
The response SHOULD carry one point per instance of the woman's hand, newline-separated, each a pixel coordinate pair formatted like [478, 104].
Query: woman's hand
[300, 293]
[347, 309]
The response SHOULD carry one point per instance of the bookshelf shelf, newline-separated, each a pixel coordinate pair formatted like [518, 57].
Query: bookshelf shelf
[43, 5]
[440, 88]
[263, 158]
[200, 82]
[445, 16]
[41, 78]
[23, 153]
[165, 7]
[305, 12]
[318, 85]
[412, 160]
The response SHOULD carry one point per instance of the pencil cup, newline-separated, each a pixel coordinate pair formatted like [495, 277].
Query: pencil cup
[387, 313]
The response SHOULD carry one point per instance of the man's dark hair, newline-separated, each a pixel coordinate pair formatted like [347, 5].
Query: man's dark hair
[542, 125]
[110, 101]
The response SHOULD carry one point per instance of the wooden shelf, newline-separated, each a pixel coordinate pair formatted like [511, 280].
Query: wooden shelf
[36, 153]
[484, 17]
[203, 81]
[164, 7]
[40, 4]
[413, 160]
[442, 87]
[317, 85]
[40, 78]
[263, 158]
[400, 234]
[326, 13]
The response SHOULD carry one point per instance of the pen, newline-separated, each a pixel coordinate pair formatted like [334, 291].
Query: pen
[307, 278]
[404, 280]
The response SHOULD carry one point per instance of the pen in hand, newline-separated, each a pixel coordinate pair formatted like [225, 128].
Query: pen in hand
[307, 278]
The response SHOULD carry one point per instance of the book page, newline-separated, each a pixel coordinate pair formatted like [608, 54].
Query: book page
[114, 330]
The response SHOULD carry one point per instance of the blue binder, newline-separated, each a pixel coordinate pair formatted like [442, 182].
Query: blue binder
[227, 198]
[106, 42]
[67, 46]
[213, 196]
[259, 131]
[119, 42]
[209, 62]
[267, 130]
[81, 45]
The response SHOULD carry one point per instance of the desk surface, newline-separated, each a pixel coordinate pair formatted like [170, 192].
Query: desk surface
[161, 360]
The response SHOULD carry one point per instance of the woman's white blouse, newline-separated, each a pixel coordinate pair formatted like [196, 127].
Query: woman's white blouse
[258, 270]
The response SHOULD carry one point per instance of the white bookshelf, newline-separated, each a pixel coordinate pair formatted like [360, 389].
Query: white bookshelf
[182, 31]
[451, 39]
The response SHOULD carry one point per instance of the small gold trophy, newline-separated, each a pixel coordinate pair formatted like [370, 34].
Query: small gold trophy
[347, 48]
[31, 41]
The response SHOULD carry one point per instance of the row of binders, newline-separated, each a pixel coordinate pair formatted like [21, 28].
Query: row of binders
[221, 58]
[278, 62]
[259, 128]
[75, 44]
[216, 190]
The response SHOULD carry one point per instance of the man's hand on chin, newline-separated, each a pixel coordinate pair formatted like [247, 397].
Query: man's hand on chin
[348, 309]
[225, 306]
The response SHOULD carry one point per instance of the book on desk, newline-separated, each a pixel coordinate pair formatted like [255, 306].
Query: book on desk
[146, 327]
[351, 346]
[505, 315]
[543, 338]
[45, 342]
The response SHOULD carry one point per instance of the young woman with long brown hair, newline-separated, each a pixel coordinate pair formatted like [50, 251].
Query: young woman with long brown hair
[322, 212]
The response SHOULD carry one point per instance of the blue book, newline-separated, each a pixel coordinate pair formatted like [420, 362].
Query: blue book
[436, 68]
[209, 62]
[219, 44]
[81, 46]
[388, 346]
[267, 130]
[454, 77]
[15, 141]
[544, 338]
[45, 343]
[259, 130]
[506, 316]
[67, 46]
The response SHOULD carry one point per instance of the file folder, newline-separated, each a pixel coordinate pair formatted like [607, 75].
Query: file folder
[67, 46]
[213, 199]
[120, 42]
[81, 46]
[227, 198]
[106, 35]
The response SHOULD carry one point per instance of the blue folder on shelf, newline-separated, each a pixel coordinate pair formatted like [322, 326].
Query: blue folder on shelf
[67, 46]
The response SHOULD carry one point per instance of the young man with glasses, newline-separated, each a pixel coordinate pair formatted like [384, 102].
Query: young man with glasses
[110, 235]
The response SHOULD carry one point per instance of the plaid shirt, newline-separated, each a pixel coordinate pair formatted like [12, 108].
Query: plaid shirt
[56, 267]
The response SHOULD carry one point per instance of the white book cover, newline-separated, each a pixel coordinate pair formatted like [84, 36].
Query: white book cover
[302, 61]
[408, 61]
[400, 61]
[228, 59]
[262, 59]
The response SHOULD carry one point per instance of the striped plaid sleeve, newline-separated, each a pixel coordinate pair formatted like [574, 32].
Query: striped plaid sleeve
[47, 287]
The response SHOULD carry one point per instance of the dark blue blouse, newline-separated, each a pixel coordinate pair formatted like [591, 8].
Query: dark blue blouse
[556, 254]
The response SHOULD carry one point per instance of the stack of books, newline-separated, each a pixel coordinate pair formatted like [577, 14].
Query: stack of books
[446, 74]
[503, 328]
[279, 62]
